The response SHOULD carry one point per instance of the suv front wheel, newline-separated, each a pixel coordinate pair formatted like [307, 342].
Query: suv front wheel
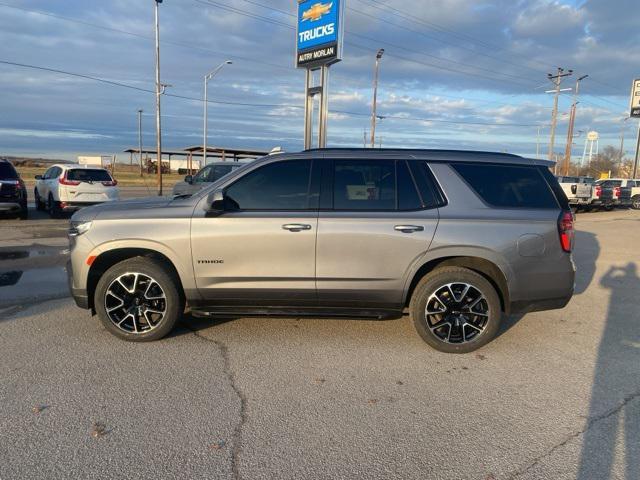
[455, 310]
[138, 300]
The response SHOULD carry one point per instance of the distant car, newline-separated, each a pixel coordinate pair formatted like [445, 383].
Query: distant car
[610, 193]
[579, 190]
[13, 193]
[67, 188]
[205, 177]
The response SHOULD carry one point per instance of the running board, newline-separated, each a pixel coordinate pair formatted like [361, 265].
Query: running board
[201, 312]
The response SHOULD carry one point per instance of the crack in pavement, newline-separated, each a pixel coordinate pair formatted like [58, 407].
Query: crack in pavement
[590, 423]
[237, 433]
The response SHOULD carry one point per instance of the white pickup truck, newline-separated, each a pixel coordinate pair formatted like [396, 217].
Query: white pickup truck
[578, 190]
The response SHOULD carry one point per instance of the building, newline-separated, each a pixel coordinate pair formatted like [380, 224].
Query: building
[191, 158]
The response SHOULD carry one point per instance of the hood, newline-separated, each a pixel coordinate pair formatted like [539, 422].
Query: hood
[148, 207]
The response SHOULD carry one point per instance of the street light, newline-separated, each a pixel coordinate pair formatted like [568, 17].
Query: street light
[375, 97]
[208, 77]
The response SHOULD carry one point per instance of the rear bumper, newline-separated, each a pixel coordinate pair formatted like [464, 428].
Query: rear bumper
[79, 294]
[11, 206]
[527, 306]
[75, 206]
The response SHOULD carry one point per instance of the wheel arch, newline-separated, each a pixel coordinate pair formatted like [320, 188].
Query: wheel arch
[488, 269]
[111, 257]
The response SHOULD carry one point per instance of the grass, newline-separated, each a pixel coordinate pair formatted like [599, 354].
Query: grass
[125, 175]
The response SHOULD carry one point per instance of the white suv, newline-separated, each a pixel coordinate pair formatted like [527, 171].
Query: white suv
[66, 188]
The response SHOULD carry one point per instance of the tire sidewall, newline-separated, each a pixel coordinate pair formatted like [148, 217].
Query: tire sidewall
[169, 284]
[436, 280]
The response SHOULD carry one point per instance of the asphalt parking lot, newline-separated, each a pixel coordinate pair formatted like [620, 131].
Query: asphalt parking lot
[555, 396]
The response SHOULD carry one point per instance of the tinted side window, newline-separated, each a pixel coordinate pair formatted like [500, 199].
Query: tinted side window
[7, 171]
[431, 196]
[364, 185]
[219, 171]
[508, 186]
[277, 186]
[408, 198]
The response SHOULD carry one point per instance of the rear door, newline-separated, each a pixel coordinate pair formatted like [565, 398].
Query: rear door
[374, 226]
[51, 184]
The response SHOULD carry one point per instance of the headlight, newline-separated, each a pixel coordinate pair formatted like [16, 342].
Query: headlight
[78, 228]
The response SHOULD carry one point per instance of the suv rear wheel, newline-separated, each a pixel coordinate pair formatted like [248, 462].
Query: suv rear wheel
[455, 310]
[138, 300]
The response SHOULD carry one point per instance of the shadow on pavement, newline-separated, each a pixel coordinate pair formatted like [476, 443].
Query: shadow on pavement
[585, 255]
[615, 383]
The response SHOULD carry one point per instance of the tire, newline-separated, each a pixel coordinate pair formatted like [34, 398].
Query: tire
[24, 213]
[39, 203]
[465, 333]
[609, 208]
[136, 325]
[53, 208]
[635, 202]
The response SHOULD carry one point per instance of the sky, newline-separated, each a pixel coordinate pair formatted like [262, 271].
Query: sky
[462, 74]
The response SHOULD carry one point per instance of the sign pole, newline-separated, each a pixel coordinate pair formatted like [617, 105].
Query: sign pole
[324, 107]
[635, 162]
[308, 110]
[319, 32]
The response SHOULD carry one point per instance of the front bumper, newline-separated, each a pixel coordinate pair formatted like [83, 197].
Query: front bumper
[79, 294]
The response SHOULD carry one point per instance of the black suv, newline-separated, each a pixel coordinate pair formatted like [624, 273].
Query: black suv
[13, 192]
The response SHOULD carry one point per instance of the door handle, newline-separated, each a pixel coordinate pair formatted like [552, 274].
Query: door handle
[408, 228]
[296, 227]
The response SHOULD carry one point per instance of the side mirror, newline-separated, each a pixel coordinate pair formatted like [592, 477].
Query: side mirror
[189, 179]
[216, 204]
[38, 177]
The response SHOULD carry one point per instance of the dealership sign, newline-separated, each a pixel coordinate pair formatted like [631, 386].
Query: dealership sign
[635, 99]
[319, 33]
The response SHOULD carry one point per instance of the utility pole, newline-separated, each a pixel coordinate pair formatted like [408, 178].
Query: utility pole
[557, 80]
[159, 91]
[208, 77]
[375, 97]
[140, 138]
[572, 122]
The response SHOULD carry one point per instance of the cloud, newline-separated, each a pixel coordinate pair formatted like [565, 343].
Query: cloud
[466, 61]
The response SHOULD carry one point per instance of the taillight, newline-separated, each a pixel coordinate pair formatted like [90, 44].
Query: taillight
[565, 228]
[112, 183]
[616, 192]
[598, 191]
[63, 180]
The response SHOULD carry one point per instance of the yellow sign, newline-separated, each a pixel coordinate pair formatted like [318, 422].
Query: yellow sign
[316, 11]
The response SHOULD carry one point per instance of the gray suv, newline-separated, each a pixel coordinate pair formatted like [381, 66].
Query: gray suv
[457, 239]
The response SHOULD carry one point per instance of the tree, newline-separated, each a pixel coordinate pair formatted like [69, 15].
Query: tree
[607, 162]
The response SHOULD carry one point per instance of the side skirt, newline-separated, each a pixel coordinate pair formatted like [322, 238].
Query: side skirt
[378, 314]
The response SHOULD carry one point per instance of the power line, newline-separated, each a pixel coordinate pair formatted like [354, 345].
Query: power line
[138, 35]
[350, 43]
[247, 104]
[196, 47]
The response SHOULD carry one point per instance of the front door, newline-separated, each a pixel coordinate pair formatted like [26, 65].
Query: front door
[379, 226]
[262, 250]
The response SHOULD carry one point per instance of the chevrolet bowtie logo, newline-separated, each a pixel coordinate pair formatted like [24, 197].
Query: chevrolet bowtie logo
[316, 11]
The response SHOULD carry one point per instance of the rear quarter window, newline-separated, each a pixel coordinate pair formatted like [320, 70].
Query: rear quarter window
[509, 186]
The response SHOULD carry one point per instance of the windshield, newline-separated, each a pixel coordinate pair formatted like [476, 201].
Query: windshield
[88, 175]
